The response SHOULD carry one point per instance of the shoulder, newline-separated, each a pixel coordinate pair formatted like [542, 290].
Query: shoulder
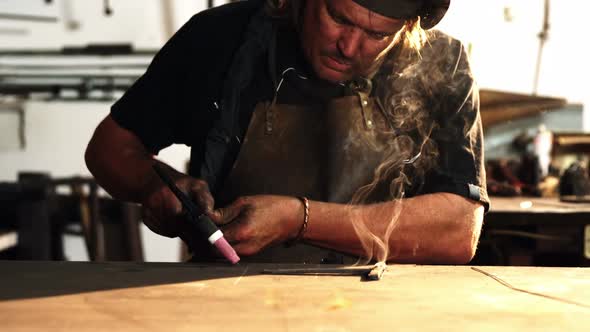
[212, 36]
[445, 52]
[446, 61]
[212, 31]
[210, 39]
[439, 39]
[438, 78]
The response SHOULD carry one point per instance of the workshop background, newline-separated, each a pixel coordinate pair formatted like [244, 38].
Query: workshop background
[63, 63]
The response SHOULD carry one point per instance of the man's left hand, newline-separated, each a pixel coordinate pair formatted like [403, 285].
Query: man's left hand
[253, 223]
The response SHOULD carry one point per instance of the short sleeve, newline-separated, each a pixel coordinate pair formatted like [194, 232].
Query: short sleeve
[154, 108]
[459, 136]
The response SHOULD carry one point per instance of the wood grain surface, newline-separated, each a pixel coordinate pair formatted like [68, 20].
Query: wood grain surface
[68, 296]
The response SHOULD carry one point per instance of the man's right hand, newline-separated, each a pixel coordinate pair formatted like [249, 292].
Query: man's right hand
[163, 213]
[123, 166]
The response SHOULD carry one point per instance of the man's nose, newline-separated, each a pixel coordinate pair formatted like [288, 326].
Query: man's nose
[350, 42]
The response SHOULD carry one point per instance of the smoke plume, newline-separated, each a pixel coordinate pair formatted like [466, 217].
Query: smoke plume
[417, 92]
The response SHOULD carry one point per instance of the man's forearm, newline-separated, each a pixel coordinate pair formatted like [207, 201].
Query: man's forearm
[119, 162]
[435, 228]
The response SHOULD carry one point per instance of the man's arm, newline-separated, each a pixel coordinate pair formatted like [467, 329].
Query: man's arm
[435, 228]
[120, 162]
[123, 166]
[440, 228]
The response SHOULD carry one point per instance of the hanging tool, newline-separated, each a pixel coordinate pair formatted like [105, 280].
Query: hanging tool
[108, 10]
[543, 36]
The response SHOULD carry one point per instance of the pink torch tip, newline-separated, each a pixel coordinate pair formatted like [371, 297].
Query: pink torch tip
[226, 250]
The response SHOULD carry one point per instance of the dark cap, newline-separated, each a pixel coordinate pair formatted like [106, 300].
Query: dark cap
[430, 11]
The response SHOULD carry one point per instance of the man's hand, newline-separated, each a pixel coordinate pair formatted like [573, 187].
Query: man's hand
[162, 211]
[254, 223]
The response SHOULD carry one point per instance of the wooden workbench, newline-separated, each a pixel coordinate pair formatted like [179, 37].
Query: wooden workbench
[60, 296]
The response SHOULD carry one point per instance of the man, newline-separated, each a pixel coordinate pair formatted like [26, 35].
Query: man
[320, 122]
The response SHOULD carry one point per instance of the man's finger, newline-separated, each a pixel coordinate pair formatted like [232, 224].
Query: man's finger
[229, 233]
[246, 249]
[171, 207]
[191, 238]
[202, 196]
[229, 213]
[158, 226]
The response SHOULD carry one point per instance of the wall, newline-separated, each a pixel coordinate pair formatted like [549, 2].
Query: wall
[504, 52]
[82, 22]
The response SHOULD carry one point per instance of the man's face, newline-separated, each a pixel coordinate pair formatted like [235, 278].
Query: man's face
[342, 40]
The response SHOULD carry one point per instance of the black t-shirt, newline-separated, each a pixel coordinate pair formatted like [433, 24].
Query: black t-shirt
[177, 100]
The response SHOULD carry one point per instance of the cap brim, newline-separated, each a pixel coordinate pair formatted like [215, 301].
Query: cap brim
[434, 14]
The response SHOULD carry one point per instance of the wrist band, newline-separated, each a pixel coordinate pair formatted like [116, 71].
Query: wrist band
[303, 228]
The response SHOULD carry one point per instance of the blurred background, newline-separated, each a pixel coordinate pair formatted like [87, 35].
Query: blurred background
[63, 63]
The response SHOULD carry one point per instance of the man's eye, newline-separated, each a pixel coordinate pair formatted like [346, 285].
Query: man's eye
[377, 35]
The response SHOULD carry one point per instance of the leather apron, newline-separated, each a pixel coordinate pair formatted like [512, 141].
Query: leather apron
[323, 152]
